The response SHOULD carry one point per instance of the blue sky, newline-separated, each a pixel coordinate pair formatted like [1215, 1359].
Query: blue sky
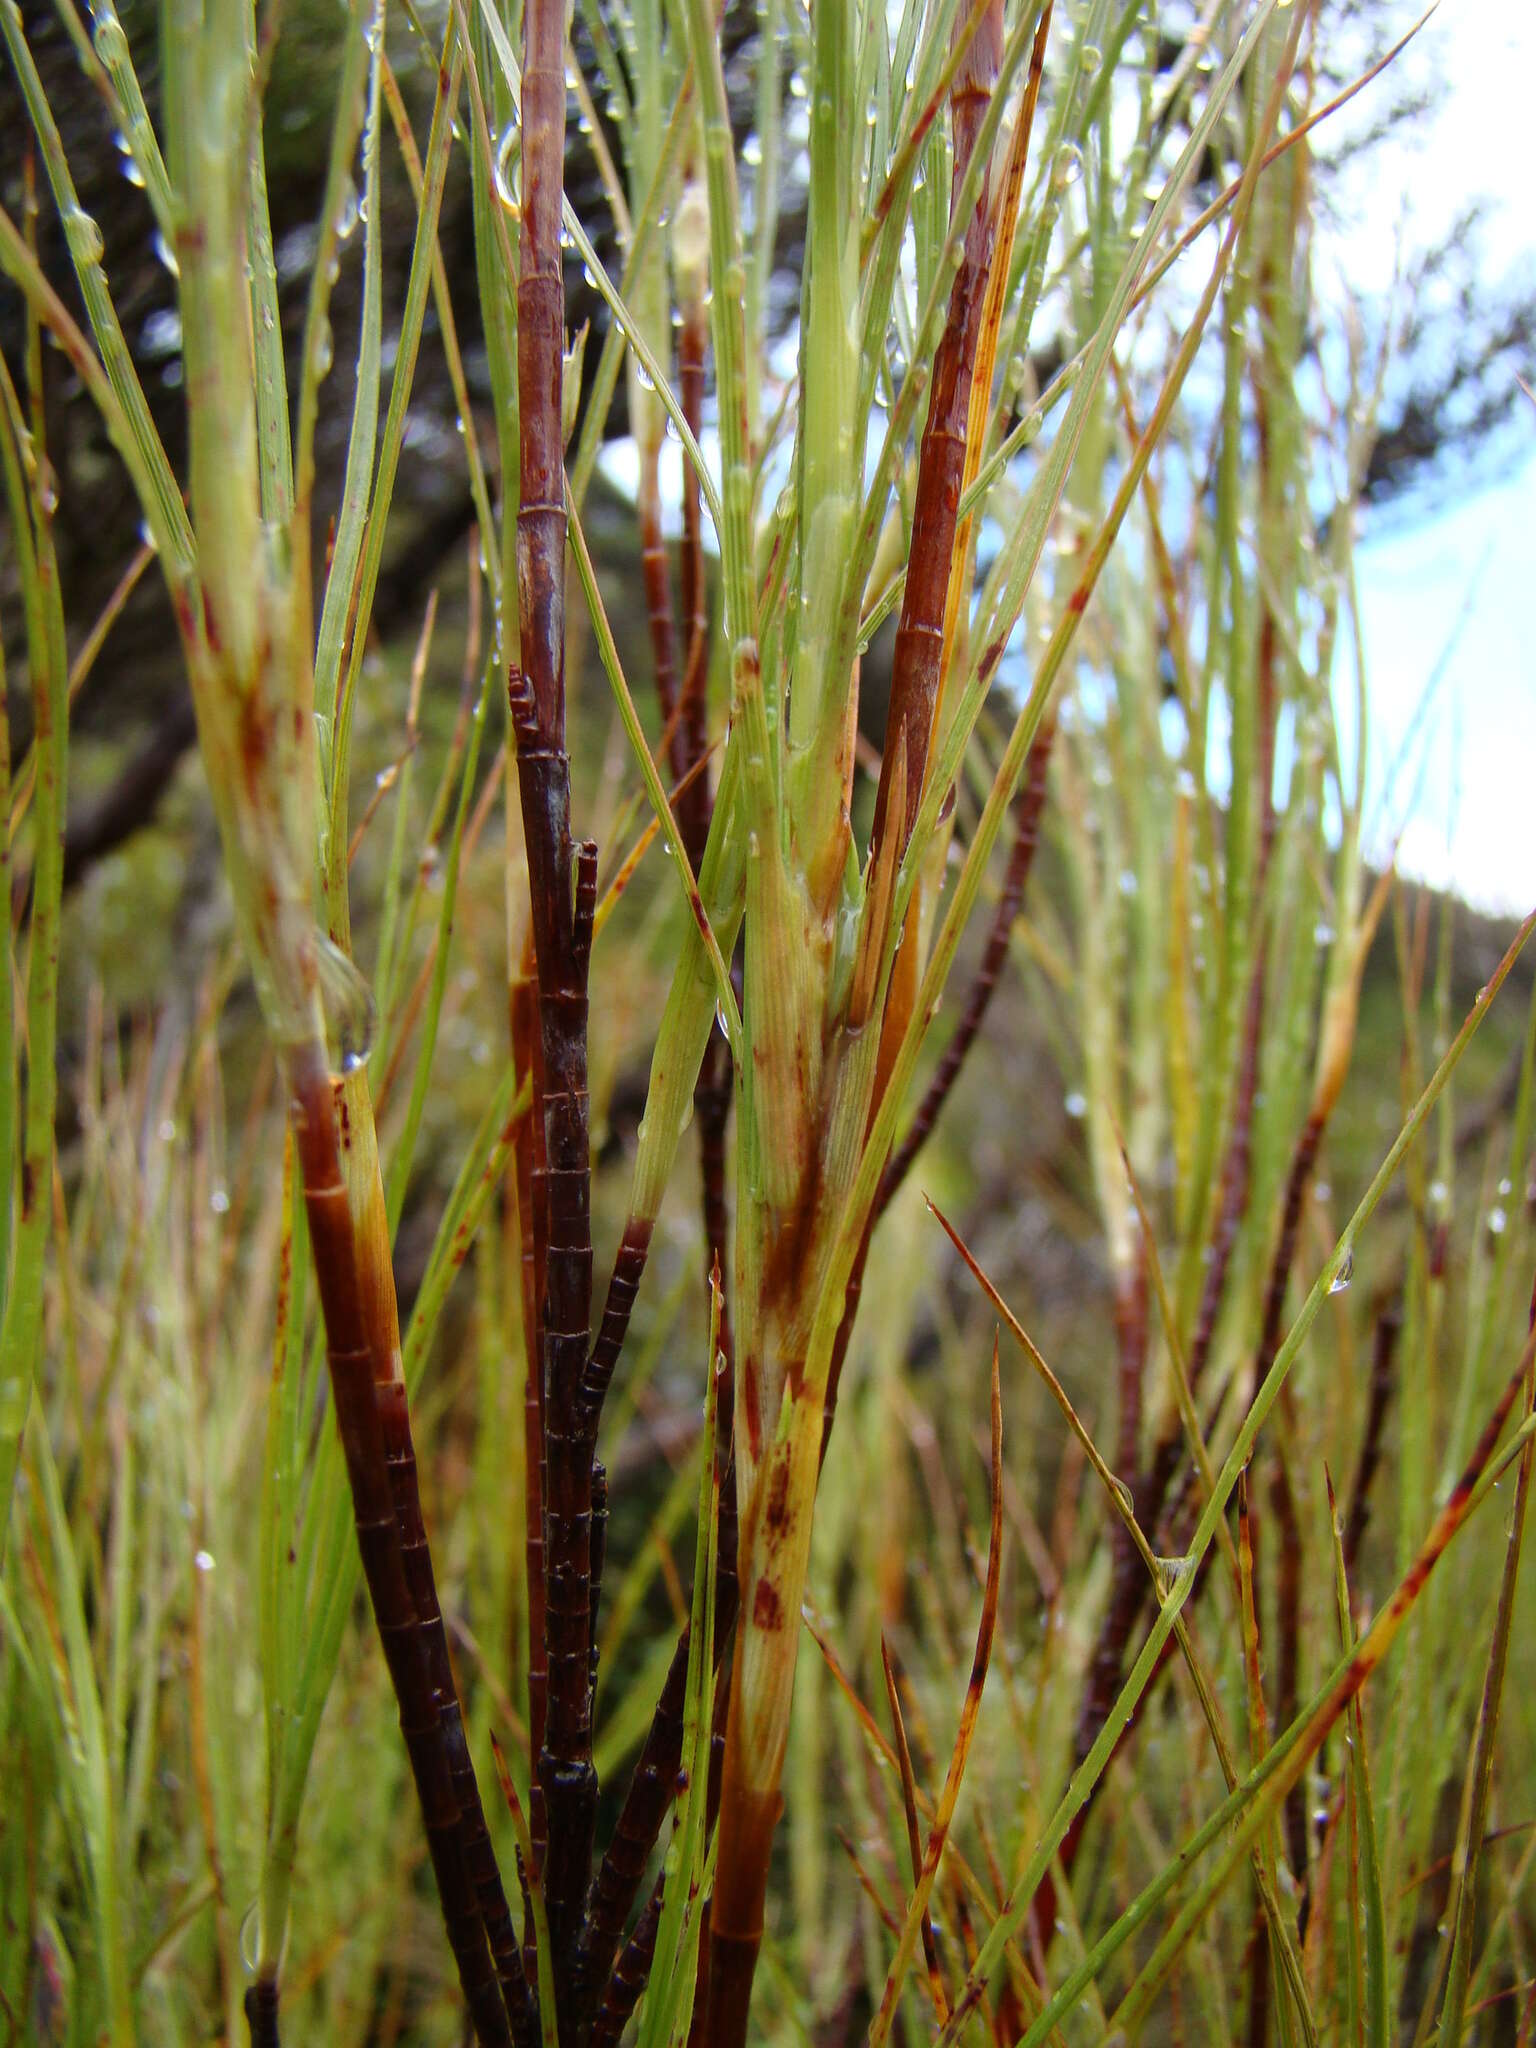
[1449, 597]
[1449, 605]
[1447, 591]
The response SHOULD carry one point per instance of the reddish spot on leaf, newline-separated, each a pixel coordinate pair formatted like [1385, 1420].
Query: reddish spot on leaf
[767, 1609]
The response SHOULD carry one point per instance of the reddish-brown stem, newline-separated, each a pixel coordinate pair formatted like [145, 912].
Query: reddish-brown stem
[628, 1268]
[941, 458]
[629, 1976]
[1029, 806]
[475, 1842]
[562, 904]
[695, 807]
[261, 2013]
[1260, 1982]
[1128, 1584]
[656, 575]
[361, 1429]
[529, 1174]
[633, 1968]
[654, 1782]
[1288, 1661]
[1388, 1327]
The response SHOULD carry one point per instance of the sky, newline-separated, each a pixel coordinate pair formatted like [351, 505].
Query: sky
[1448, 594]
[1448, 584]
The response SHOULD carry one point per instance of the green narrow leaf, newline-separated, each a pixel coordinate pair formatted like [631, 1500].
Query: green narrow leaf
[668, 2008]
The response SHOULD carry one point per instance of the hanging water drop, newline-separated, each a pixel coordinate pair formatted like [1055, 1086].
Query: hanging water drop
[111, 42]
[166, 254]
[250, 1934]
[508, 146]
[83, 236]
[351, 1014]
[1340, 1282]
[1173, 1571]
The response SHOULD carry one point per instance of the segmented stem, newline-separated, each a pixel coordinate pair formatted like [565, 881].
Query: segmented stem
[654, 1782]
[562, 907]
[361, 1428]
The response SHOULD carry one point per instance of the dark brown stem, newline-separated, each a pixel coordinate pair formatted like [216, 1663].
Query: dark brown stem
[1288, 1664]
[630, 1974]
[475, 1842]
[628, 1269]
[1303, 1160]
[654, 1783]
[1028, 807]
[1388, 1327]
[1128, 1586]
[562, 907]
[599, 1547]
[632, 1971]
[261, 2013]
[657, 577]
[1260, 1983]
[530, 1182]
[361, 1430]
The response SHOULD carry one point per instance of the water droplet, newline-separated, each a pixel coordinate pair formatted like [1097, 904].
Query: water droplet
[351, 1014]
[1076, 1104]
[1340, 1281]
[166, 254]
[111, 42]
[167, 1130]
[250, 1935]
[1128, 883]
[324, 349]
[1323, 932]
[1498, 1220]
[203, 1560]
[1173, 1571]
[218, 1201]
[83, 236]
[347, 211]
[1125, 1497]
[508, 148]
